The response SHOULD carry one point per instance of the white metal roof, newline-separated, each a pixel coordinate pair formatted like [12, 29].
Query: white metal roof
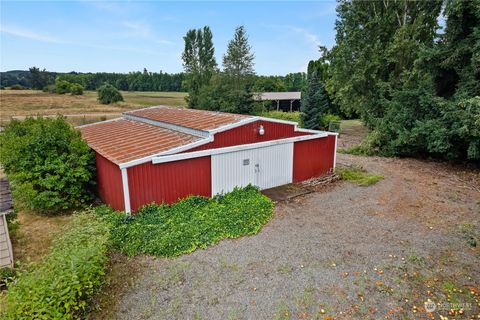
[278, 96]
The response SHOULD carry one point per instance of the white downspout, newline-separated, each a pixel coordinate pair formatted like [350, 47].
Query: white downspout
[335, 152]
[126, 192]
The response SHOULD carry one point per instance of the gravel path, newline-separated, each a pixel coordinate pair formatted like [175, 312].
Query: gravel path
[346, 252]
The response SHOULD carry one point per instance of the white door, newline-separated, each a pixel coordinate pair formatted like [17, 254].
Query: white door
[264, 167]
[275, 166]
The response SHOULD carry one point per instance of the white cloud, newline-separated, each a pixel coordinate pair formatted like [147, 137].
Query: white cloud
[24, 33]
[310, 37]
[139, 29]
[28, 34]
[306, 34]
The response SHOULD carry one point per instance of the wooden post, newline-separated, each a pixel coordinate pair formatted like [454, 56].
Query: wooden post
[291, 105]
[278, 105]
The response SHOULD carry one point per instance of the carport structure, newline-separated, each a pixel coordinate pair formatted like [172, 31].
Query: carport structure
[281, 101]
[161, 154]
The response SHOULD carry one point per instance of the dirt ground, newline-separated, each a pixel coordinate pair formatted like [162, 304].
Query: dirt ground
[32, 240]
[343, 252]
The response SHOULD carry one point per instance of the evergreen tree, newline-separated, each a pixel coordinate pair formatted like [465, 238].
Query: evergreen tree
[208, 64]
[238, 60]
[314, 103]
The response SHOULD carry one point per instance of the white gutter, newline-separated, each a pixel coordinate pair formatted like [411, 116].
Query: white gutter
[168, 152]
[208, 152]
[233, 125]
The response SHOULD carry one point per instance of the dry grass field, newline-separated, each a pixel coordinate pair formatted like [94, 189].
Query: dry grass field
[80, 109]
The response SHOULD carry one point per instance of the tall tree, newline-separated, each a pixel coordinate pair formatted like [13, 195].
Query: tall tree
[458, 57]
[416, 88]
[314, 103]
[198, 61]
[376, 43]
[208, 64]
[39, 79]
[238, 60]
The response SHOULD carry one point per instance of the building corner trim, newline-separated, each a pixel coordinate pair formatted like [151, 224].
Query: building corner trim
[126, 192]
[335, 152]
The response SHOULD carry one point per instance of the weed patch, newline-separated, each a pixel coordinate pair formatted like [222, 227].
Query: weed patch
[60, 286]
[191, 223]
[359, 176]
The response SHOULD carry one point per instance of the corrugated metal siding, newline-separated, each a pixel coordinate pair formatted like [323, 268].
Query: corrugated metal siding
[229, 170]
[249, 134]
[312, 158]
[264, 167]
[276, 165]
[109, 183]
[168, 182]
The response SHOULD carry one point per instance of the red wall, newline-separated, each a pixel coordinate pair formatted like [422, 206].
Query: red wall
[249, 134]
[168, 182]
[109, 183]
[312, 158]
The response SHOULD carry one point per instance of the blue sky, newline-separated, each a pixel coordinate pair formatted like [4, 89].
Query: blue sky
[128, 36]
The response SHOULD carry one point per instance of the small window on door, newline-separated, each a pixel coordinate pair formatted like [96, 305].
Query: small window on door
[246, 162]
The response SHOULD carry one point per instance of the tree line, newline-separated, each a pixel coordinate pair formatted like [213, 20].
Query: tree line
[414, 83]
[36, 78]
[133, 81]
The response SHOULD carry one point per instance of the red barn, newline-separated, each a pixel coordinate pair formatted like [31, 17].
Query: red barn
[161, 154]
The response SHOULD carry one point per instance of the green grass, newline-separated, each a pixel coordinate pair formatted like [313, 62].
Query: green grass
[62, 284]
[351, 123]
[359, 176]
[358, 150]
[191, 223]
[288, 116]
[147, 98]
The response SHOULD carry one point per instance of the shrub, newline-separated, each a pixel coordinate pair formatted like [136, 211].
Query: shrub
[76, 89]
[288, 116]
[50, 167]
[62, 86]
[109, 94]
[51, 88]
[60, 286]
[327, 118]
[6, 276]
[17, 87]
[191, 223]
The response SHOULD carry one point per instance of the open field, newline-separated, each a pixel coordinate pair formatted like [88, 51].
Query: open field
[21, 103]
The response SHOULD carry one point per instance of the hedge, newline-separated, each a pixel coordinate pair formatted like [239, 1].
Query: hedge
[60, 286]
[48, 164]
[191, 223]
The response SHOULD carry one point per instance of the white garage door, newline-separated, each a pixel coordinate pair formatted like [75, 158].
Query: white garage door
[264, 167]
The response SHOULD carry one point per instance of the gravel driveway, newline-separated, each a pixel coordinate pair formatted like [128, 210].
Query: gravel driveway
[345, 252]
